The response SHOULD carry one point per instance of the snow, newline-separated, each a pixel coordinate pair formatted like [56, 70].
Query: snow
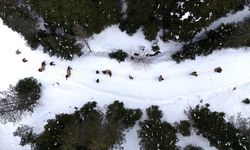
[185, 16]
[176, 93]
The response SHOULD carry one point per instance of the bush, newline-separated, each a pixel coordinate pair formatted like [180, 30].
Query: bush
[191, 147]
[156, 134]
[246, 101]
[119, 55]
[87, 128]
[219, 132]
[184, 127]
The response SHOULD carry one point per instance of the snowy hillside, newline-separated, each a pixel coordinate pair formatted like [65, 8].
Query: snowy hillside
[176, 93]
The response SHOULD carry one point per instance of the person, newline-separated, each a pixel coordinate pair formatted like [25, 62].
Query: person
[18, 52]
[52, 63]
[68, 72]
[24, 60]
[161, 78]
[107, 72]
[42, 66]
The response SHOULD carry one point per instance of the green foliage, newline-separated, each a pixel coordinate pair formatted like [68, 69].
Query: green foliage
[154, 113]
[26, 134]
[220, 133]
[153, 15]
[18, 100]
[93, 16]
[28, 92]
[156, 134]
[191, 147]
[215, 40]
[246, 101]
[19, 19]
[184, 127]
[242, 124]
[225, 36]
[119, 55]
[87, 128]
[61, 46]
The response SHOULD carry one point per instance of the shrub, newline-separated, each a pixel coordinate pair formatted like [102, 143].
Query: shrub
[184, 127]
[246, 101]
[192, 147]
[219, 132]
[156, 134]
[119, 55]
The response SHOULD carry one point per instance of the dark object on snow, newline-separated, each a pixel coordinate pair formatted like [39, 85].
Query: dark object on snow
[151, 55]
[97, 72]
[160, 78]
[24, 60]
[43, 64]
[218, 70]
[68, 72]
[18, 52]
[107, 72]
[246, 101]
[56, 83]
[234, 88]
[52, 63]
[130, 77]
[97, 80]
[194, 73]
[136, 54]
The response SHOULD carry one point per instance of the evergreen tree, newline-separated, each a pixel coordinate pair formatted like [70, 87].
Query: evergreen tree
[156, 134]
[183, 127]
[220, 133]
[19, 99]
[86, 129]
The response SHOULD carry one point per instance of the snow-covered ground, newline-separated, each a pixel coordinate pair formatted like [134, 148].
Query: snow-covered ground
[176, 93]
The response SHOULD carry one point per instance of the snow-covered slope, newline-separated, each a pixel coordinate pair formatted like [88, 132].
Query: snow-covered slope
[177, 92]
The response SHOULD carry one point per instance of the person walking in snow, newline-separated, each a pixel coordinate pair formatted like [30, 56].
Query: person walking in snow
[68, 72]
[24, 60]
[42, 66]
[108, 72]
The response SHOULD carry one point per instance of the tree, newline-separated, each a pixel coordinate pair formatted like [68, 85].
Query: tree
[156, 134]
[119, 55]
[183, 127]
[19, 99]
[220, 133]
[88, 128]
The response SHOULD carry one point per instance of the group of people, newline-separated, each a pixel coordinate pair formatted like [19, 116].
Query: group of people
[106, 72]
[43, 65]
